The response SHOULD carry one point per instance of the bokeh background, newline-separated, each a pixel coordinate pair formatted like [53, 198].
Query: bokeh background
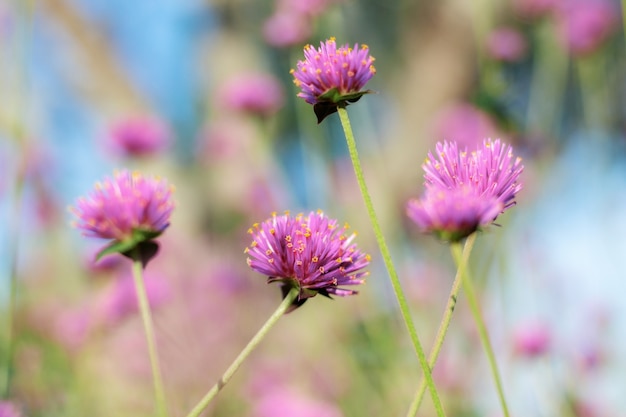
[547, 76]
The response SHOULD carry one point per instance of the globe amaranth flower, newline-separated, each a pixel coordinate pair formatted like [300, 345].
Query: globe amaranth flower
[129, 209]
[310, 252]
[138, 136]
[466, 190]
[330, 76]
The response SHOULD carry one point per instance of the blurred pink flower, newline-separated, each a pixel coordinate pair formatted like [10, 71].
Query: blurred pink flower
[138, 137]
[287, 403]
[9, 409]
[464, 124]
[506, 44]
[583, 25]
[255, 93]
[287, 28]
[532, 339]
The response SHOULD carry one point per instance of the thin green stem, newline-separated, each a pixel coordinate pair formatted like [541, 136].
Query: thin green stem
[395, 281]
[482, 328]
[254, 342]
[445, 321]
[148, 325]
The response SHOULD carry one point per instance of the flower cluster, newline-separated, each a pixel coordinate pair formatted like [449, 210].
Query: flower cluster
[127, 208]
[330, 75]
[310, 252]
[465, 191]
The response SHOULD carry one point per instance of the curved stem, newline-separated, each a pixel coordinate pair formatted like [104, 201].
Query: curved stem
[482, 328]
[254, 342]
[445, 321]
[148, 325]
[395, 282]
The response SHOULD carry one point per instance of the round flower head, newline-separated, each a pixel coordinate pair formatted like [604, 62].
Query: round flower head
[465, 191]
[310, 252]
[128, 208]
[138, 137]
[452, 214]
[584, 25]
[329, 75]
[491, 170]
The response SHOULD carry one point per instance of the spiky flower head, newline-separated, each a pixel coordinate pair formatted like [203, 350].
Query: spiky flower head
[310, 252]
[129, 209]
[330, 76]
[466, 190]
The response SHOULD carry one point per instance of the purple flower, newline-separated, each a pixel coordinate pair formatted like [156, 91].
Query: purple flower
[466, 191]
[287, 28]
[330, 75]
[310, 252]
[138, 136]
[259, 94]
[127, 208]
[491, 170]
[532, 339]
[8, 409]
[585, 24]
[452, 214]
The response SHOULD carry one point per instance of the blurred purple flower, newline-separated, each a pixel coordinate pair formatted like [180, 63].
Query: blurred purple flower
[123, 205]
[452, 214]
[72, 327]
[287, 28]
[465, 124]
[255, 93]
[138, 137]
[9, 409]
[309, 252]
[532, 339]
[465, 191]
[330, 75]
[584, 25]
[286, 403]
[506, 44]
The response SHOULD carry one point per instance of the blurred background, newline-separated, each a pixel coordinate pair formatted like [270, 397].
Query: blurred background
[199, 92]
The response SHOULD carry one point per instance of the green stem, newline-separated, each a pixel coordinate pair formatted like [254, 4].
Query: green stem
[395, 282]
[148, 325]
[482, 328]
[445, 321]
[254, 342]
